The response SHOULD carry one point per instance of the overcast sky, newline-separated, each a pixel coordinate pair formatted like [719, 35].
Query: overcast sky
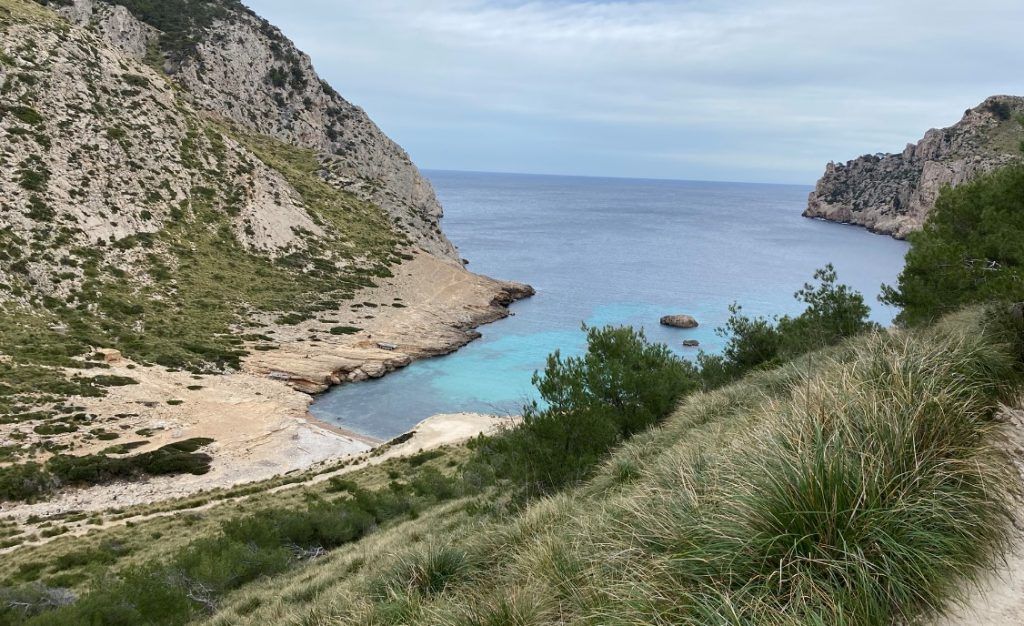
[741, 90]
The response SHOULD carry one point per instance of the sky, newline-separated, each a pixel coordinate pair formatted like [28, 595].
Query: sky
[744, 90]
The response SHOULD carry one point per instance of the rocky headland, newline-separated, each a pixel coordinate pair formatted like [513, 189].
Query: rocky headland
[892, 193]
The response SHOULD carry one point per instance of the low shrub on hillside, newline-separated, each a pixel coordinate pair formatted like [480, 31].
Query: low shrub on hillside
[31, 481]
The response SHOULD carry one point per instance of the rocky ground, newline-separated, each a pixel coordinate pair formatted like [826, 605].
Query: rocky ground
[258, 417]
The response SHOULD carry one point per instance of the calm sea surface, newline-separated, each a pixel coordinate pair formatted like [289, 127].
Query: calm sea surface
[610, 251]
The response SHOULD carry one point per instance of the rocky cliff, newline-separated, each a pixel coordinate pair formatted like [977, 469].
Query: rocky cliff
[892, 193]
[233, 63]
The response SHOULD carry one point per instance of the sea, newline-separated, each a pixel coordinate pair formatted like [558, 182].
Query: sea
[613, 251]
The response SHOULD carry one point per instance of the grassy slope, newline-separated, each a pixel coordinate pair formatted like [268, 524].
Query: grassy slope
[860, 486]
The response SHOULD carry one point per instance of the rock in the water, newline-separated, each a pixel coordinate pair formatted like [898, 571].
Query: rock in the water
[679, 321]
[893, 193]
[690, 343]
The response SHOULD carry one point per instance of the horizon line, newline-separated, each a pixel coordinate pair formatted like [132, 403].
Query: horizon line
[598, 176]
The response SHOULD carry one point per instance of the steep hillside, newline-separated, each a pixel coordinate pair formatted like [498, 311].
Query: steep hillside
[232, 62]
[173, 269]
[892, 193]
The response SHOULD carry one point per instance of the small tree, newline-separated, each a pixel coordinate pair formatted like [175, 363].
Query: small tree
[834, 312]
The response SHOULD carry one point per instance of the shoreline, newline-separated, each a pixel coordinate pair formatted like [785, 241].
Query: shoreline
[259, 416]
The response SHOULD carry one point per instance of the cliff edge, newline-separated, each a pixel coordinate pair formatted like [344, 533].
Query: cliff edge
[892, 193]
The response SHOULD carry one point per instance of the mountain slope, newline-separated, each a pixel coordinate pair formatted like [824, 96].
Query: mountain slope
[234, 63]
[892, 193]
[168, 272]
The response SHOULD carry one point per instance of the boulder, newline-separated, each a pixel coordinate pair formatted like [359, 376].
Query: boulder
[374, 369]
[690, 343]
[357, 375]
[679, 321]
[109, 355]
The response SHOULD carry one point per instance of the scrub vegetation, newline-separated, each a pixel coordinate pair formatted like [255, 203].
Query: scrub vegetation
[970, 250]
[859, 483]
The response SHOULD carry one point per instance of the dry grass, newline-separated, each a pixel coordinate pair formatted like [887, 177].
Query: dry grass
[860, 486]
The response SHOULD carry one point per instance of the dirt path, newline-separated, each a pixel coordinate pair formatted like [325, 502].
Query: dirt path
[999, 598]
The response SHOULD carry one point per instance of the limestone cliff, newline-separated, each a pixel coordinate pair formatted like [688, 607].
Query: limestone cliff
[235, 64]
[892, 193]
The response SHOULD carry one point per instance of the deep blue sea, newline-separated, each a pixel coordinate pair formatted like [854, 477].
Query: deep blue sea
[610, 251]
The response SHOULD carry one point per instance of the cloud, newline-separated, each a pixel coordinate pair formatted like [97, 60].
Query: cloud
[782, 86]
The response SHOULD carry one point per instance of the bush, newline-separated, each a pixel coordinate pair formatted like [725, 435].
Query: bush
[426, 572]
[19, 603]
[344, 330]
[26, 481]
[621, 385]
[834, 312]
[970, 250]
[29, 481]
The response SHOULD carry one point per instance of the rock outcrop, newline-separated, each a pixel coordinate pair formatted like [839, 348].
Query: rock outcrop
[237, 65]
[679, 321]
[893, 193]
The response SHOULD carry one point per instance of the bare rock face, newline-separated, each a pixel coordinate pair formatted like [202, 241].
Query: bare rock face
[893, 193]
[679, 321]
[244, 70]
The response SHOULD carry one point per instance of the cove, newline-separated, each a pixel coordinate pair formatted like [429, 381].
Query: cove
[610, 251]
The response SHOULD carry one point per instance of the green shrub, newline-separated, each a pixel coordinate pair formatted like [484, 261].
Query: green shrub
[344, 330]
[834, 312]
[25, 114]
[970, 250]
[26, 481]
[620, 386]
[31, 481]
[20, 603]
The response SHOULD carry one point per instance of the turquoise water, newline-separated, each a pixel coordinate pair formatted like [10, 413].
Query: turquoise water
[610, 251]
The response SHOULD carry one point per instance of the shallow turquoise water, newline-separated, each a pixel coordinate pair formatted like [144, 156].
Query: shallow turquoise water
[610, 251]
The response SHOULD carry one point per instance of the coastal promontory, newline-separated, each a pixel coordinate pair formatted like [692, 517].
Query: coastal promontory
[893, 193]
